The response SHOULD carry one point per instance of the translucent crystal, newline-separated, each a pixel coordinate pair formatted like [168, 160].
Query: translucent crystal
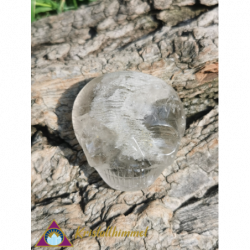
[129, 125]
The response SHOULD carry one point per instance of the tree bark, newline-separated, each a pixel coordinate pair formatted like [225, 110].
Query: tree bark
[176, 41]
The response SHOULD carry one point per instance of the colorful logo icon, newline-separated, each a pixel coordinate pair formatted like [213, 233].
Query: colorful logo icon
[53, 237]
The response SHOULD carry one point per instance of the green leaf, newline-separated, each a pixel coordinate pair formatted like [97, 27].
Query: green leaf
[43, 5]
[47, 3]
[33, 8]
[54, 4]
[61, 6]
[68, 7]
[75, 3]
[43, 9]
[44, 1]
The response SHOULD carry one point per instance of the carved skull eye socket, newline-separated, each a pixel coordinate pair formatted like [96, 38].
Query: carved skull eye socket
[165, 137]
[162, 124]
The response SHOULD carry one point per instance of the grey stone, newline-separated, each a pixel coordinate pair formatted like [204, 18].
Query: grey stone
[209, 2]
[183, 2]
[111, 8]
[162, 4]
[59, 52]
[176, 14]
[33, 130]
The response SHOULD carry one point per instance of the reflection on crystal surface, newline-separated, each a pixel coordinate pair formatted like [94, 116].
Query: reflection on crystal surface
[129, 125]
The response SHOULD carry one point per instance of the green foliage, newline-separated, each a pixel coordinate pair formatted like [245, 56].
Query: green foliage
[43, 8]
[33, 9]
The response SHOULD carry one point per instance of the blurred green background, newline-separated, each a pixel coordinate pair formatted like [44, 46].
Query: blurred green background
[44, 8]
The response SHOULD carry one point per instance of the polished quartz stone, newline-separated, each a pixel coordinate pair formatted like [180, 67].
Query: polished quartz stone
[129, 125]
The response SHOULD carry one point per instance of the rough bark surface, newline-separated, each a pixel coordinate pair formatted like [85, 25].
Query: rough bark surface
[174, 40]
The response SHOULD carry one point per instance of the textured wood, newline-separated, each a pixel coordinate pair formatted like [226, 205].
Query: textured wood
[68, 50]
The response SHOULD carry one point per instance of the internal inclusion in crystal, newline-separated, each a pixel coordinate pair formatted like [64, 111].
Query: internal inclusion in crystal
[129, 125]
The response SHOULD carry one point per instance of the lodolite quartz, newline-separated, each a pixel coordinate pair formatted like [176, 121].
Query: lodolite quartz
[129, 125]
